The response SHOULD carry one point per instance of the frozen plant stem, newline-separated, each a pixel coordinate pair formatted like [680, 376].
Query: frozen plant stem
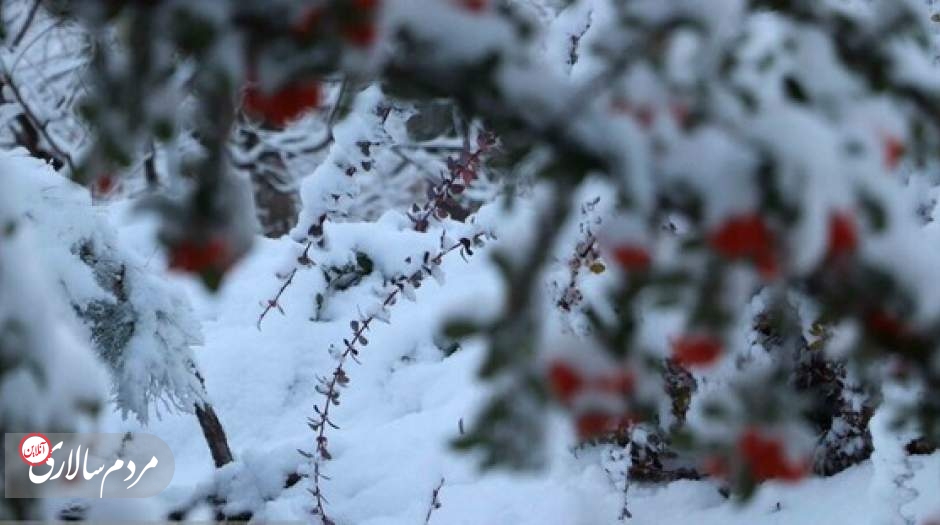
[303, 260]
[329, 387]
[465, 169]
[435, 502]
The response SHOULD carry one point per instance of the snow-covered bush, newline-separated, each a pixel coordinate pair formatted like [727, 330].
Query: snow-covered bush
[49, 379]
[142, 328]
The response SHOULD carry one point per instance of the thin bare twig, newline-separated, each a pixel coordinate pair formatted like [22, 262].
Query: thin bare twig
[331, 120]
[41, 127]
[435, 502]
[26, 24]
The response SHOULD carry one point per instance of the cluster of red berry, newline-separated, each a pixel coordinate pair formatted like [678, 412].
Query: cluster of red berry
[567, 384]
[761, 457]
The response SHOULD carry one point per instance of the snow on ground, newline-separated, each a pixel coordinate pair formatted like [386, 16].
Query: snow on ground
[403, 405]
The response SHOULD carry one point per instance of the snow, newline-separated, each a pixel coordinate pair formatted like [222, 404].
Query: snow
[404, 404]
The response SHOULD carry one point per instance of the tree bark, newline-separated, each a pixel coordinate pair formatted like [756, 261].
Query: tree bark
[215, 434]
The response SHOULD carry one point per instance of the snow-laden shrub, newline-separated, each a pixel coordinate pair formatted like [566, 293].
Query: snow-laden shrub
[142, 328]
[49, 379]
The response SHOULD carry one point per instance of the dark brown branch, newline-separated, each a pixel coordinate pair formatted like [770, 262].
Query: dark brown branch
[212, 430]
[214, 434]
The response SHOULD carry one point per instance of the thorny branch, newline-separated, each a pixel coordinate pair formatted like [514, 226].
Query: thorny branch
[274, 302]
[402, 285]
[464, 168]
[461, 172]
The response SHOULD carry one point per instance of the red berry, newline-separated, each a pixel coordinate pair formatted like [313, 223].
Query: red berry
[104, 186]
[843, 237]
[360, 33]
[894, 151]
[617, 383]
[475, 6]
[696, 350]
[631, 257]
[742, 236]
[282, 106]
[747, 237]
[884, 324]
[593, 424]
[565, 382]
[766, 458]
[198, 257]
